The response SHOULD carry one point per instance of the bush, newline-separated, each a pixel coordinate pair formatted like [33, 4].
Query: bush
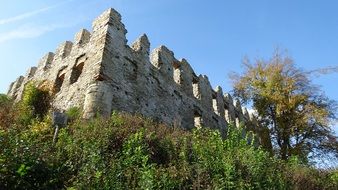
[300, 176]
[130, 152]
[73, 114]
[6, 111]
[25, 157]
[4, 99]
[35, 103]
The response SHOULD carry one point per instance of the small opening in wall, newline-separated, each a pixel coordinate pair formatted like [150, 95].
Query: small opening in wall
[196, 89]
[215, 105]
[197, 119]
[58, 83]
[214, 102]
[227, 116]
[237, 121]
[227, 113]
[177, 76]
[76, 72]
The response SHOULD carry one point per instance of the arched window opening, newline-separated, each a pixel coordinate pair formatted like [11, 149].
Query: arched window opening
[76, 72]
[58, 83]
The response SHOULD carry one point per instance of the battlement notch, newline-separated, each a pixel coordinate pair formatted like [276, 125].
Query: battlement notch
[184, 75]
[218, 102]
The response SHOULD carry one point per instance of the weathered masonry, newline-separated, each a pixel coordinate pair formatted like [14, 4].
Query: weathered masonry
[99, 72]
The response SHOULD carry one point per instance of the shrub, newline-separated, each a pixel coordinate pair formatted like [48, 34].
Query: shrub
[73, 114]
[4, 99]
[26, 157]
[7, 114]
[35, 103]
[131, 152]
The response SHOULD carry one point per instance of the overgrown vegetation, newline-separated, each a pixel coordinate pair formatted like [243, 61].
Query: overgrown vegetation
[131, 152]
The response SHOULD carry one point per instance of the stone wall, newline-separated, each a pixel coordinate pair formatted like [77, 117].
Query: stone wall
[100, 73]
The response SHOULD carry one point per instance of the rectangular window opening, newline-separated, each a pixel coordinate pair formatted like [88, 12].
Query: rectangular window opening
[197, 120]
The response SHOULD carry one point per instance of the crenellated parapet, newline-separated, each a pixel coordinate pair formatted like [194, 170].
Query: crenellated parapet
[46, 61]
[63, 50]
[82, 37]
[163, 59]
[13, 89]
[99, 72]
[142, 45]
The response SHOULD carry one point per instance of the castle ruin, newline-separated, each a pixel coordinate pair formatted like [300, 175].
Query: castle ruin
[99, 72]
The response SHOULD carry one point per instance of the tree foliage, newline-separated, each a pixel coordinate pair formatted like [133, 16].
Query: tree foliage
[298, 113]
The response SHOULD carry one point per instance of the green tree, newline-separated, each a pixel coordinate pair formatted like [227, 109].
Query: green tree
[298, 113]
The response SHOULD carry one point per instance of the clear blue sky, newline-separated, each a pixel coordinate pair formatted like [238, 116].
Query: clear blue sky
[213, 36]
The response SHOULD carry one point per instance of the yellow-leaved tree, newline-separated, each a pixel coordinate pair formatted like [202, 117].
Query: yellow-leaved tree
[298, 114]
